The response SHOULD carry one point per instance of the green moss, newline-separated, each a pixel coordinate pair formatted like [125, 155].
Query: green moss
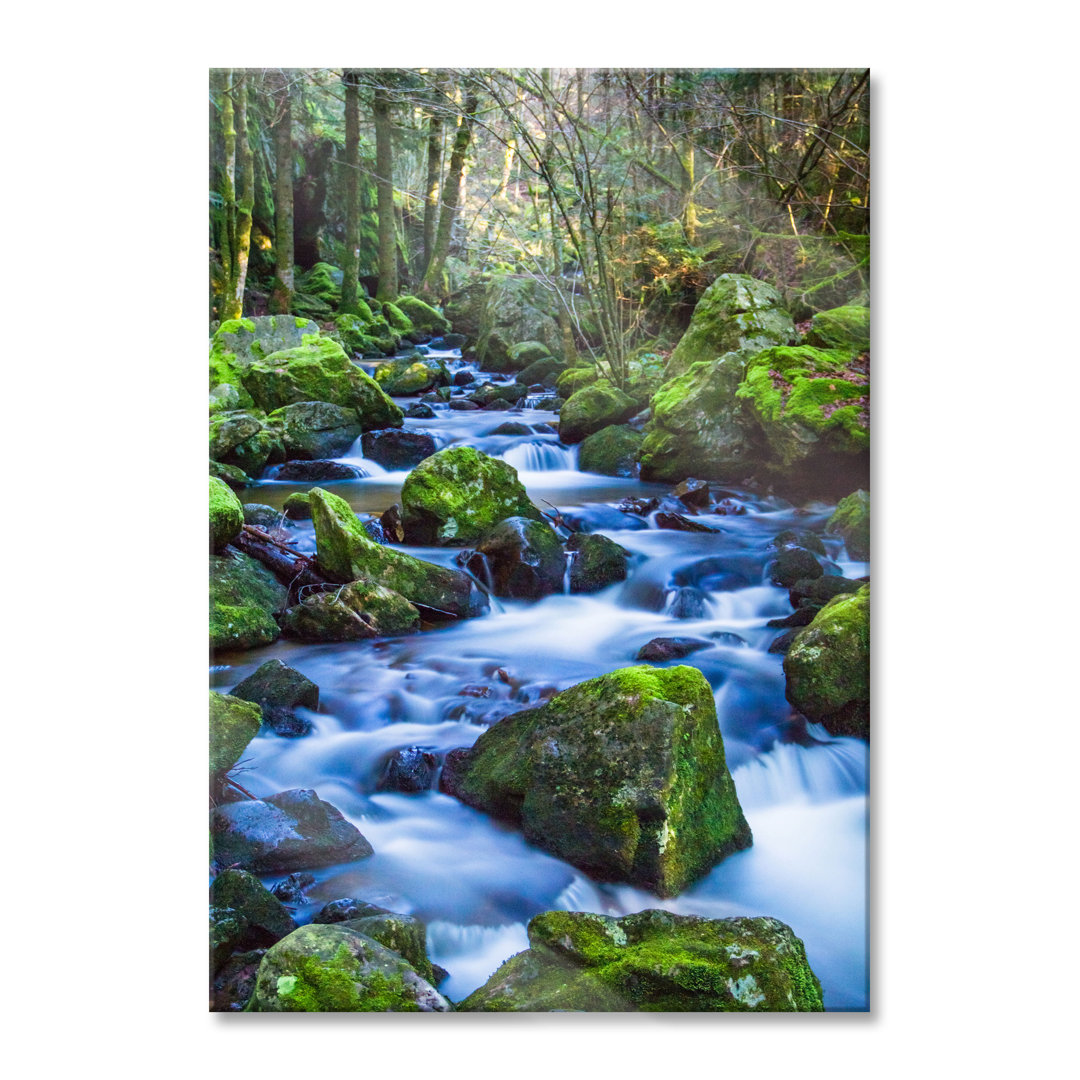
[233, 724]
[243, 597]
[611, 451]
[398, 320]
[574, 379]
[422, 316]
[851, 520]
[841, 328]
[298, 506]
[458, 494]
[355, 612]
[226, 514]
[592, 408]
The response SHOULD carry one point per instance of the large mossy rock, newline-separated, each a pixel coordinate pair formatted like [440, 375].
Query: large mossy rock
[736, 312]
[522, 558]
[697, 427]
[652, 961]
[293, 830]
[407, 375]
[245, 440]
[319, 371]
[597, 562]
[503, 312]
[845, 327]
[355, 612]
[316, 430]
[244, 596]
[346, 553]
[423, 316]
[593, 408]
[404, 934]
[239, 343]
[458, 494]
[828, 666]
[851, 521]
[267, 919]
[226, 514]
[233, 724]
[337, 969]
[611, 451]
[573, 379]
[623, 776]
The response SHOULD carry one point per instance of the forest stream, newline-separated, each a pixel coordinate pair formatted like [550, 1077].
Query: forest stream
[473, 880]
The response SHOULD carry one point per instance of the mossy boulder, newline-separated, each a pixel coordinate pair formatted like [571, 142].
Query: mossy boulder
[404, 934]
[293, 830]
[524, 353]
[233, 724]
[736, 312]
[611, 451]
[323, 281]
[828, 666]
[245, 440]
[267, 919]
[351, 330]
[235, 477]
[226, 514]
[346, 553]
[547, 367]
[315, 430]
[521, 558]
[354, 612]
[458, 494]
[653, 961]
[851, 521]
[319, 371]
[297, 506]
[845, 327]
[623, 776]
[697, 427]
[597, 563]
[593, 408]
[237, 343]
[411, 374]
[811, 405]
[573, 379]
[399, 322]
[225, 398]
[488, 393]
[244, 596]
[423, 316]
[276, 685]
[336, 969]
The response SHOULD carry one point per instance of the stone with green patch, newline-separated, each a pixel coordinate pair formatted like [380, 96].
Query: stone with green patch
[597, 562]
[423, 316]
[226, 514]
[244, 597]
[851, 522]
[245, 440]
[623, 776]
[267, 919]
[845, 327]
[233, 724]
[593, 408]
[611, 451]
[357, 611]
[316, 430]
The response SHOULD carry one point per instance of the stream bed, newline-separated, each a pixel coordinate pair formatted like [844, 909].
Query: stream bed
[475, 881]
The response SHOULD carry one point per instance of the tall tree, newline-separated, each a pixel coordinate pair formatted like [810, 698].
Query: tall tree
[434, 165]
[384, 184]
[284, 286]
[351, 264]
[235, 241]
[451, 194]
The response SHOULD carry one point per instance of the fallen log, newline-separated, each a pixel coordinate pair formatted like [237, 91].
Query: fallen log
[290, 567]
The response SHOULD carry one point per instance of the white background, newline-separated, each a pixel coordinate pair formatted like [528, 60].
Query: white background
[975, 287]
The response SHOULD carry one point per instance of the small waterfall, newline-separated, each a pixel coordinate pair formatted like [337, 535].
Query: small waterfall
[814, 774]
[570, 557]
[355, 455]
[540, 457]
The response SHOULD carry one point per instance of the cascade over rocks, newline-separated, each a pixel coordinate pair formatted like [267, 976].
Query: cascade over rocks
[597, 563]
[458, 494]
[652, 961]
[623, 776]
[313, 430]
[293, 830]
[346, 553]
[523, 557]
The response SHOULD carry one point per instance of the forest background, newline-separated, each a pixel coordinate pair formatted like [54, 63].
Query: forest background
[966, 204]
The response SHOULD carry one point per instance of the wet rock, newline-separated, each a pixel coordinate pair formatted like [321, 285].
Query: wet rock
[547, 367]
[653, 961]
[336, 969]
[611, 451]
[782, 642]
[828, 666]
[409, 770]
[728, 506]
[394, 449]
[597, 563]
[728, 639]
[637, 506]
[418, 410]
[452, 341]
[314, 472]
[227, 929]
[293, 830]
[422, 316]
[694, 493]
[794, 564]
[851, 522]
[455, 496]
[343, 909]
[226, 515]
[550, 404]
[499, 405]
[279, 690]
[290, 890]
[522, 558]
[236, 478]
[463, 376]
[671, 648]
[683, 524]
[234, 983]
[266, 918]
[373, 527]
[245, 440]
[818, 591]
[463, 404]
[404, 934]
[799, 538]
[410, 374]
[266, 517]
[392, 526]
[354, 612]
[244, 596]
[297, 507]
[623, 776]
[489, 392]
[233, 724]
[592, 408]
[689, 603]
[346, 553]
[511, 427]
[802, 617]
[316, 430]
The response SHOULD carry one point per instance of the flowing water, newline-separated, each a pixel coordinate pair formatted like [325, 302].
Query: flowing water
[474, 880]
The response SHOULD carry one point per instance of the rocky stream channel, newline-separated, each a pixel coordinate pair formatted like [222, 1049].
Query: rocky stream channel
[390, 710]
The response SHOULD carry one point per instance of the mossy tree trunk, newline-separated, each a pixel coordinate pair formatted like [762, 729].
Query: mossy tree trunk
[384, 185]
[234, 243]
[431, 186]
[451, 195]
[281, 297]
[351, 264]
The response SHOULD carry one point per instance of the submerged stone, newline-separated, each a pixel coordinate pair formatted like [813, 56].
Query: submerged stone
[623, 776]
[653, 961]
[394, 449]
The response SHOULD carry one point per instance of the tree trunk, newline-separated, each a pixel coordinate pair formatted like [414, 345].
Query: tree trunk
[281, 297]
[384, 185]
[351, 265]
[247, 197]
[227, 231]
[451, 195]
[431, 187]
